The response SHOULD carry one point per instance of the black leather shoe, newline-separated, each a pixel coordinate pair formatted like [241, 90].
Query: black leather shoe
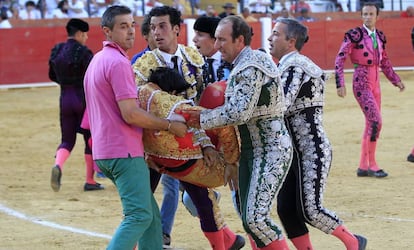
[55, 178]
[238, 243]
[92, 187]
[378, 174]
[362, 242]
[362, 173]
[410, 158]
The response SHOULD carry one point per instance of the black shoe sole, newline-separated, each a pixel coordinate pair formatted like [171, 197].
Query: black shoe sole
[362, 242]
[362, 173]
[377, 174]
[55, 178]
[238, 243]
[369, 173]
[93, 187]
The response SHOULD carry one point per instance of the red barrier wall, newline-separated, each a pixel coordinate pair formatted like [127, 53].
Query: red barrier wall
[24, 51]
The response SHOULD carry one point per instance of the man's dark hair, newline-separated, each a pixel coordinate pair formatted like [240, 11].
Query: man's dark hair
[168, 80]
[371, 4]
[30, 3]
[108, 17]
[174, 14]
[240, 28]
[145, 26]
[74, 25]
[61, 4]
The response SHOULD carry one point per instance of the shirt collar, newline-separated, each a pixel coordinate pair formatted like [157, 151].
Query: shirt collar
[368, 30]
[216, 56]
[167, 57]
[116, 46]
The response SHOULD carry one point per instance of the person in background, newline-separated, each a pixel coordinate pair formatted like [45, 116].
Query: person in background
[409, 12]
[98, 7]
[61, 11]
[49, 7]
[259, 6]
[254, 103]
[177, 5]
[366, 47]
[195, 6]
[77, 9]
[67, 66]
[342, 5]
[298, 6]
[301, 196]
[146, 34]
[247, 16]
[15, 12]
[4, 20]
[228, 10]
[210, 11]
[304, 16]
[30, 12]
[284, 13]
[116, 123]
[150, 4]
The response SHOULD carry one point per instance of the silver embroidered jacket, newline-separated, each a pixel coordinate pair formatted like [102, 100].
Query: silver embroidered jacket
[253, 91]
[303, 83]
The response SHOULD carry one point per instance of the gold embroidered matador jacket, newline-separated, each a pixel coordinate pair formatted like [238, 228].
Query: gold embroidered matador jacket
[191, 67]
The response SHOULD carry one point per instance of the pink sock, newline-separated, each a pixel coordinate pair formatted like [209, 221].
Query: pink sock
[89, 169]
[412, 151]
[277, 244]
[216, 239]
[349, 240]
[62, 154]
[372, 147]
[229, 237]
[302, 242]
[364, 162]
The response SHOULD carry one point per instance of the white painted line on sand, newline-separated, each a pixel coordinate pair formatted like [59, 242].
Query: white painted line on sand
[22, 216]
[378, 217]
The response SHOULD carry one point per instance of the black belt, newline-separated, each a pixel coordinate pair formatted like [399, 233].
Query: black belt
[182, 167]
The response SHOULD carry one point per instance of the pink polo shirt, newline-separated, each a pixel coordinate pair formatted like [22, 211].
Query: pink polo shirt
[109, 79]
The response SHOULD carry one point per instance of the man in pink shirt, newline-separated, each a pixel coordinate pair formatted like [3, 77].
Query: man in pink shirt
[116, 123]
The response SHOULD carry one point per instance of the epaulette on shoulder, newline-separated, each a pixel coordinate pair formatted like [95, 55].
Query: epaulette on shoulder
[142, 67]
[381, 36]
[193, 56]
[55, 50]
[355, 35]
[306, 64]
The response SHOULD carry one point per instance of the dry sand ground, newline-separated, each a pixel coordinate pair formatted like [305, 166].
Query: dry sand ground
[32, 216]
